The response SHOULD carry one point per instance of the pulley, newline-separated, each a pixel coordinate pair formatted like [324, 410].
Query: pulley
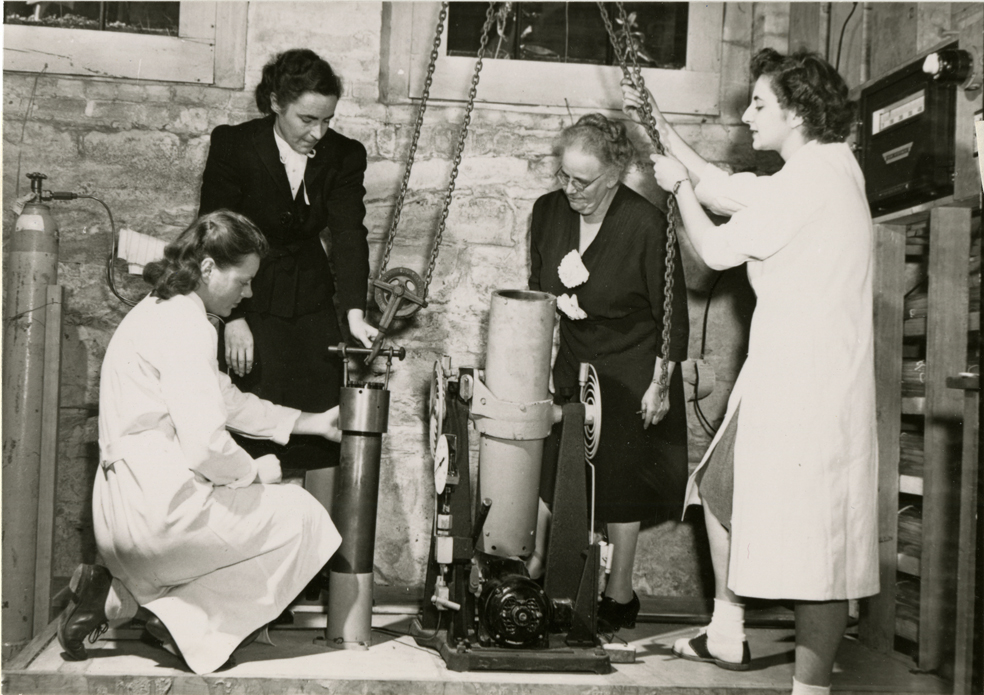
[396, 301]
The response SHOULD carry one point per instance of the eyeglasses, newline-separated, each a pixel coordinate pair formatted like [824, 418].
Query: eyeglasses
[578, 185]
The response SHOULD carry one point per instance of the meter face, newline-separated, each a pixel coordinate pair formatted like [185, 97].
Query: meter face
[899, 111]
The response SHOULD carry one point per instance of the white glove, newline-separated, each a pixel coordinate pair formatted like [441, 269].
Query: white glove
[268, 469]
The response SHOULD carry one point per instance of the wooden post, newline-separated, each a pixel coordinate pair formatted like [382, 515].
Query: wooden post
[963, 668]
[48, 473]
[946, 354]
[877, 622]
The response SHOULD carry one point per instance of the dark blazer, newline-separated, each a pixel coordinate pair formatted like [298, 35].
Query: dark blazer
[243, 173]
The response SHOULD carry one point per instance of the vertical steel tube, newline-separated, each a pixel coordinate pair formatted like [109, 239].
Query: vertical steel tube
[517, 369]
[363, 418]
[32, 265]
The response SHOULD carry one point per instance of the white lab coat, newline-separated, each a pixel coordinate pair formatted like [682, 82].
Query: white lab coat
[178, 518]
[804, 523]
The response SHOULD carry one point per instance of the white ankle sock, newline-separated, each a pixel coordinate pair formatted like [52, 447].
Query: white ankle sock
[726, 631]
[805, 689]
[121, 606]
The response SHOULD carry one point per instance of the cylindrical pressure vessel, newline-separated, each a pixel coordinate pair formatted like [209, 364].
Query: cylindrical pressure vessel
[31, 265]
[517, 370]
[363, 418]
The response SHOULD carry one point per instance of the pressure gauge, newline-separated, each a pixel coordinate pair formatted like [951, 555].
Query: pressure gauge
[442, 457]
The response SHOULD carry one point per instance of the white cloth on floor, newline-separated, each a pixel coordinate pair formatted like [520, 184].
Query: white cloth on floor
[213, 562]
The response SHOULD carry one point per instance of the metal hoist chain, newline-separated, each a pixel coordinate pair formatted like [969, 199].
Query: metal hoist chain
[472, 93]
[417, 126]
[490, 16]
[649, 122]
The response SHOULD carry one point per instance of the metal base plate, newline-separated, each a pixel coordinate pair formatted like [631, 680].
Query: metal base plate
[557, 657]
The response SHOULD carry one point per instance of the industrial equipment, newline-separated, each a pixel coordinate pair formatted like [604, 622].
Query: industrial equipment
[906, 134]
[363, 417]
[483, 610]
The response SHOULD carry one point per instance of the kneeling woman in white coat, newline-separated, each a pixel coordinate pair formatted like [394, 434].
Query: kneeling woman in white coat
[191, 528]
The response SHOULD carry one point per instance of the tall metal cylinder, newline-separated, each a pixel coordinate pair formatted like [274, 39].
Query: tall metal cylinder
[31, 266]
[517, 370]
[363, 418]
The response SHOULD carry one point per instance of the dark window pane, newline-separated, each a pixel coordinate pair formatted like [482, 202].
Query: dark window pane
[572, 32]
[659, 30]
[133, 17]
[465, 20]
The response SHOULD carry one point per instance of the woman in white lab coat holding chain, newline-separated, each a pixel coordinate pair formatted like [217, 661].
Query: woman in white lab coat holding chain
[195, 533]
[800, 522]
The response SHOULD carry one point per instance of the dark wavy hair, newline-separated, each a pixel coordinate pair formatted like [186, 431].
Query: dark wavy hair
[292, 73]
[809, 86]
[224, 236]
[606, 139]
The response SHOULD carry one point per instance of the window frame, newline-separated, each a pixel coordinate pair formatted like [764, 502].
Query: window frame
[210, 49]
[409, 35]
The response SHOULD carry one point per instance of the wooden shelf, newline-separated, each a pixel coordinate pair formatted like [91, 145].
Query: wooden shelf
[910, 485]
[915, 405]
[917, 326]
[916, 213]
[909, 565]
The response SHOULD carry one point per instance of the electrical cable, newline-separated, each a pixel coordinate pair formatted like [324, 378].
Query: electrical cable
[113, 248]
[705, 423]
[840, 41]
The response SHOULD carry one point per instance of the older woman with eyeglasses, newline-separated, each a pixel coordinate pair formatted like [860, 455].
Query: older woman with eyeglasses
[601, 249]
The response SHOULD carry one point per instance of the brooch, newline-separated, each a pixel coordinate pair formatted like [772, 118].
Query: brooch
[571, 270]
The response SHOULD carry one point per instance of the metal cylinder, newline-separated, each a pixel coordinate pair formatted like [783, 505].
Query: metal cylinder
[363, 418]
[32, 265]
[517, 370]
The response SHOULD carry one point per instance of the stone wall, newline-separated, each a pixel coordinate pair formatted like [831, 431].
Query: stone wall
[140, 147]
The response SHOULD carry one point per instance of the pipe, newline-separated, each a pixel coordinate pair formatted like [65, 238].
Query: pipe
[865, 42]
[363, 418]
[32, 265]
[517, 373]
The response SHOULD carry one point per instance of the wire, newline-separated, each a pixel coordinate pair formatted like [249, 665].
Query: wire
[112, 257]
[840, 41]
[27, 114]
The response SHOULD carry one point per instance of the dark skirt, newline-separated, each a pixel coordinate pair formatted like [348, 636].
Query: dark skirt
[640, 475]
[717, 479]
[293, 367]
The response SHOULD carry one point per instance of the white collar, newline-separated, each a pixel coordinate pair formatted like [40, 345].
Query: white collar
[288, 153]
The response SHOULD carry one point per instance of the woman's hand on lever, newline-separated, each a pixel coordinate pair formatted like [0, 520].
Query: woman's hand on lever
[359, 329]
[654, 408]
[238, 346]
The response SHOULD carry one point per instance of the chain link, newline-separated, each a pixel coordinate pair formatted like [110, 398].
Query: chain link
[417, 126]
[472, 93]
[649, 123]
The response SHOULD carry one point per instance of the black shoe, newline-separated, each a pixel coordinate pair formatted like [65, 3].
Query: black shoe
[696, 650]
[613, 616]
[156, 634]
[158, 631]
[85, 615]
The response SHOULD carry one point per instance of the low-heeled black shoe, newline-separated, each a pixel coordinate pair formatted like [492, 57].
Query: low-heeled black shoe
[613, 616]
[157, 634]
[696, 650]
[85, 615]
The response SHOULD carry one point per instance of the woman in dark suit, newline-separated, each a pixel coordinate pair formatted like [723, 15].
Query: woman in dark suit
[301, 183]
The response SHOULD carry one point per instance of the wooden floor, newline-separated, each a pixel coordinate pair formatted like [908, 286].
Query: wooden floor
[298, 662]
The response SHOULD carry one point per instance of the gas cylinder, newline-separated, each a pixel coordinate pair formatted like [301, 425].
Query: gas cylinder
[31, 260]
